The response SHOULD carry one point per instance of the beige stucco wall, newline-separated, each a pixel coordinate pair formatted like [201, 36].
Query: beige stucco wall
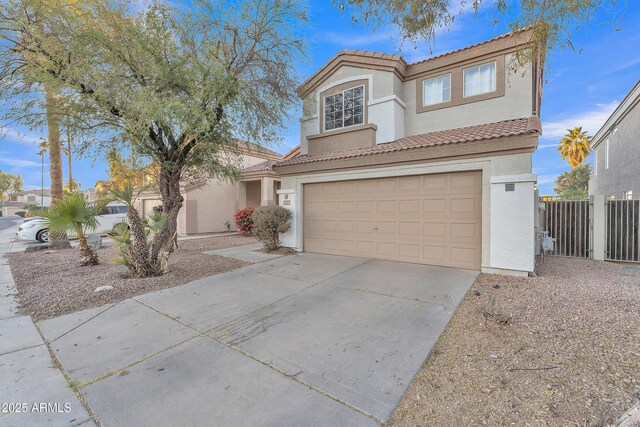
[501, 251]
[392, 104]
[516, 103]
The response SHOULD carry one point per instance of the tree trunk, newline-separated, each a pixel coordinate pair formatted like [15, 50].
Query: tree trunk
[139, 251]
[55, 157]
[88, 256]
[165, 242]
[70, 184]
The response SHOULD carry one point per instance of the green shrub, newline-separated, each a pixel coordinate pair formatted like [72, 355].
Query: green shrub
[21, 213]
[268, 223]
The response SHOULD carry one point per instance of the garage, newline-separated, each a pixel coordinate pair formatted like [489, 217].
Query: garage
[428, 219]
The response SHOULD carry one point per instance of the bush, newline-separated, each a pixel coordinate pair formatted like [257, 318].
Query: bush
[243, 221]
[21, 213]
[269, 222]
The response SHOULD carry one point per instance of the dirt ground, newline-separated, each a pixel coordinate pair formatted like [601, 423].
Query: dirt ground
[560, 349]
[52, 283]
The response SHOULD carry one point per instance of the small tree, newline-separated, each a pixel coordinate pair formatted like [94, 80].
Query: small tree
[72, 214]
[269, 222]
[243, 220]
[574, 184]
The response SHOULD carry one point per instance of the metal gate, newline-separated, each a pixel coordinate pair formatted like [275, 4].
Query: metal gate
[622, 230]
[567, 221]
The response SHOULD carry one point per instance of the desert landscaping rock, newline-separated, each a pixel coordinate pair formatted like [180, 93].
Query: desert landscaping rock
[566, 347]
[103, 288]
[59, 285]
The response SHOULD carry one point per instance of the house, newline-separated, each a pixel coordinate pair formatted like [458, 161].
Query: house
[89, 194]
[17, 201]
[616, 150]
[209, 204]
[427, 162]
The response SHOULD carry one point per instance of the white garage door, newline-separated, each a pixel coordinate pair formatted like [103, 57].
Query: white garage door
[428, 219]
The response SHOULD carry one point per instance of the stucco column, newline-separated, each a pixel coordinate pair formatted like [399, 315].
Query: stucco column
[598, 226]
[266, 189]
[288, 201]
[512, 224]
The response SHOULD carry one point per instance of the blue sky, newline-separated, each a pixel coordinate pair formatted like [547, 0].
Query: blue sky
[582, 88]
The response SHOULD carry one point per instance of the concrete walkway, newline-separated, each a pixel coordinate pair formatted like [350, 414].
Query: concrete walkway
[34, 390]
[298, 340]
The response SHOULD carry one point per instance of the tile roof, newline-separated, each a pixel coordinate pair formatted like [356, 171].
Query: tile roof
[257, 148]
[47, 192]
[370, 54]
[501, 36]
[523, 126]
[262, 166]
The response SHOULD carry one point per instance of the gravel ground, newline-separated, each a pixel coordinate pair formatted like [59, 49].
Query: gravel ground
[560, 349]
[52, 283]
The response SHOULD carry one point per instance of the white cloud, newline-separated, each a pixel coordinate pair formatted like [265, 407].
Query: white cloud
[17, 136]
[547, 179]
[591, 121]
[18, 163]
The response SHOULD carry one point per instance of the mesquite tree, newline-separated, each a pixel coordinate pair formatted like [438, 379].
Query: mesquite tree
[183, 82]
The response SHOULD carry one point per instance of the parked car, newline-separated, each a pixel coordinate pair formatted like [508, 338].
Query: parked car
[37, 228]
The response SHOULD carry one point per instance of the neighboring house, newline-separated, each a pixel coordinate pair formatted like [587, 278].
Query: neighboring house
[17, 201]
[209, 204]
[89, 194]
[616, 150]
[427, 163]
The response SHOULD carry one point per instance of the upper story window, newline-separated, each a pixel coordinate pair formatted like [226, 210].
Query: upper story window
[437, 90]
[344, 109]
[480, 79]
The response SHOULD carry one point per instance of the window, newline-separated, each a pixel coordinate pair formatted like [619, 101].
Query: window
[31, 198]
[628, 195]
[480, 79]
[606, 154]
[344, 109]
[437, 90]
[120, 209]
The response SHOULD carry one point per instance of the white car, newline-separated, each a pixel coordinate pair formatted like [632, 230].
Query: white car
[37, 228]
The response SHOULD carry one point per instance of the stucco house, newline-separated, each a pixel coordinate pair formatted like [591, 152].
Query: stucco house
[17, 201]
[429, 162]
[616, 149]
[209, 204]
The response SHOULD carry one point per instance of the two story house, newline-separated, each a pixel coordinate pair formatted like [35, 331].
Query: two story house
[616, 150]
[429, 162]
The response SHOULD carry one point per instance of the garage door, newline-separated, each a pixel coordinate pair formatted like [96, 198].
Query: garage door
[427, 219]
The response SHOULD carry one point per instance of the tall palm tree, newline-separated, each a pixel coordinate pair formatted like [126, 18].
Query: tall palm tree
[574, 147]
[72, 214]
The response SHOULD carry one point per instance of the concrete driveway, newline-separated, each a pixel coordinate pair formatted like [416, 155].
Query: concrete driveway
[299, 340]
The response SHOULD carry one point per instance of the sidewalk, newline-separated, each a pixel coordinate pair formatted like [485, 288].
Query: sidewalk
[33, 390]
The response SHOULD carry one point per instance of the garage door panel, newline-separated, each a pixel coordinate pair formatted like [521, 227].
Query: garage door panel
[432, 207]
[435, 230]
[430, 219]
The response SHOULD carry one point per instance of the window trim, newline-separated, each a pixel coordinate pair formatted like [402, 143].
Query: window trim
[495, 79]
[456, 71]
[424, 82]
[324, 103]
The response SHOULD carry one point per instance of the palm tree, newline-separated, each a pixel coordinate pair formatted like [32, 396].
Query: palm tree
[72, 214]
[574, 147]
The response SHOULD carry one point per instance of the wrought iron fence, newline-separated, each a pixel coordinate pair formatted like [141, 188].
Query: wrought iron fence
[622, 230]
[567, 221]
